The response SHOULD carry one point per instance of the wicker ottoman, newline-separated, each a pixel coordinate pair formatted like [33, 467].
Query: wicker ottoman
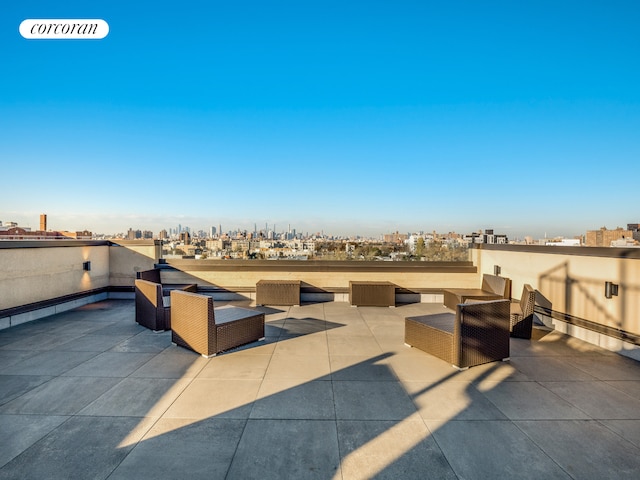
[278, 292]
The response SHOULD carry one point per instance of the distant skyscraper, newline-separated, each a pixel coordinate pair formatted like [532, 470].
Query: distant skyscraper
[43, 222]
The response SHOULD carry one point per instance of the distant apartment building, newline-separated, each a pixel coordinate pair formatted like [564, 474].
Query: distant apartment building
[134, 234]
[218, 245]
[604, 237]
[395, 237]
[184, 237]
[487, 237]
[19, 233]
[563, 242]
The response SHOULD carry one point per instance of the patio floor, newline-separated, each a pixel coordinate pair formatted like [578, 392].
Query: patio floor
[333, 393]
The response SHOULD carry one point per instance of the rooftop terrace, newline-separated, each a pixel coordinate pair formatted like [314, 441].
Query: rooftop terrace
[332, 393]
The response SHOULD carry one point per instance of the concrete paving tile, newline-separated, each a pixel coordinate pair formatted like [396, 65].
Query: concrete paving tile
[338, 308]
[337, 320]
[415, 365]
[298, 367]
[373, 312]
[93, 343]
[312, 344]
[52, 362]
[561, 344]
[41, 341]
[378, 321]
[206, 398]
[180, 448]
[145, 342]
[173, 362]
[307, 311]
[73, 328]
[233, 366]
[627, 429]
[111, 364]
[11, 357]
[355, 328]
[501, 371]
[550, 368]
[599, 400]
[19, 432]
[292, 399]
[529, 401]
[274, 315]
[630, 387]
[274, 329]
[521, 347]
[358, 400]
[492, 449]
[262, 347]
[354, 345]
[614, 367]
[585, 449]
[451, 400]
[278, 449]
[59, 396]
[364, 368]
[388, 330]
[302, 326]
[121, 328]
[365, 447]
[12, 386]
[80, 448]
[137, 397]
[551, 343]
[15, 333]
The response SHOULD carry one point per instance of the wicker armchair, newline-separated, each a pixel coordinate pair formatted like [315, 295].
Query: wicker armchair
[477, 333]
[154, 276]
[521, 313]
[196, 325]
[493, 288]
[153, 310]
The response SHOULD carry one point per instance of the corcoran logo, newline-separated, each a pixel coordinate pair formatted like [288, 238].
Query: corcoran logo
[77, 29]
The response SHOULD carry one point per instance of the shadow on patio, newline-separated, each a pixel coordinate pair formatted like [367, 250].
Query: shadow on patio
[332, 393]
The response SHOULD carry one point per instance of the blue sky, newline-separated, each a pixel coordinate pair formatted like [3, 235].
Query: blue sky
[348, 117]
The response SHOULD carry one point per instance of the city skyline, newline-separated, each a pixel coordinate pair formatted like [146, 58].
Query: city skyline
[355, 119]
[284, 227]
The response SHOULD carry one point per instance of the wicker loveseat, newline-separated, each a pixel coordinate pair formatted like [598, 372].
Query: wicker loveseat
[493, 288]
[476, 333]
[198, 326]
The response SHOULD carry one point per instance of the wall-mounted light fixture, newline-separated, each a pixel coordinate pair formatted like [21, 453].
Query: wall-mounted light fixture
[86, 266]
[496, 269]
[610, 289]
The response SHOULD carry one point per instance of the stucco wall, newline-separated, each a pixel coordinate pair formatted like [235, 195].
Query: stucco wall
[31, 275]
[571, 283]
[127, 258]
[245, 274]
